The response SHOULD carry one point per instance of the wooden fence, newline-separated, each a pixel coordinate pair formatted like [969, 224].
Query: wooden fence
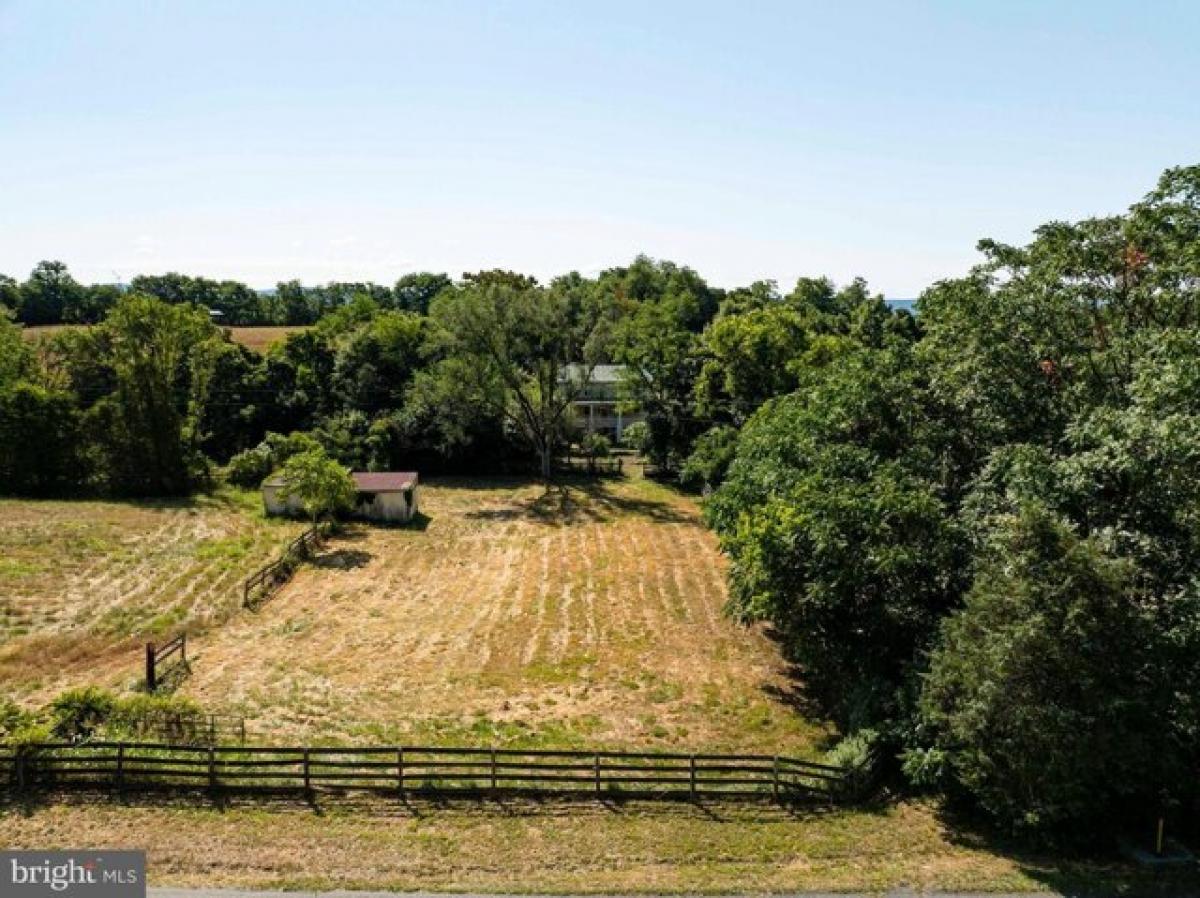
[184, 728]
[162, 661]
[587, 464]
[258, 586]
[411, 770]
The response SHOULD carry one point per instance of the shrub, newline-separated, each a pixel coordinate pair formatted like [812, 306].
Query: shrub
[636, 437]
[711, 457]
[78, 713]
[174, 717]
[596, 445]
[250, 468]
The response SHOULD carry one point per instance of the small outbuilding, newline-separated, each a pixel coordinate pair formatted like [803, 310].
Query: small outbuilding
[388, 496]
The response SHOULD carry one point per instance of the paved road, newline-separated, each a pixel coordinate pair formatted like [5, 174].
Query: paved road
[238, 893]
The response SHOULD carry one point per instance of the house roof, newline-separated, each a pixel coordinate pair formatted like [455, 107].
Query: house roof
[371, 481]
[384, 481]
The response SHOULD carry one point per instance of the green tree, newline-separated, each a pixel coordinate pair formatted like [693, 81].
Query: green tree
[1052, 695]
[40, 441]
[513, 350]
[160, 359]
[414, 292]
[323, 486]
[48, 294]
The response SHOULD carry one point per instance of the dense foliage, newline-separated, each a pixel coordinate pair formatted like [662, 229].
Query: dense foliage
[983, 542]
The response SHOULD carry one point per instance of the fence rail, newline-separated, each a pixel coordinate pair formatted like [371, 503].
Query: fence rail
[591, 465]
[419, 770]
[258, 587]
[185, 728]
[161, 661]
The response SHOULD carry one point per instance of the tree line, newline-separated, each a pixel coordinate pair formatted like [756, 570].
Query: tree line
[479, 375]
[50, 295]
[974, 531]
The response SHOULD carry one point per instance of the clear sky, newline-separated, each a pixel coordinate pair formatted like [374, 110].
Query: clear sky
[348, 140]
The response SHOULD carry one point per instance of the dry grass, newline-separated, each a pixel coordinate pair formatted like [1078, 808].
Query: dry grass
[579, 618]
[256, 338]
[558, 848]
[82, 582]
[260, 338]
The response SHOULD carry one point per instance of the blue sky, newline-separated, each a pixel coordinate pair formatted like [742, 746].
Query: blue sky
[263, 140]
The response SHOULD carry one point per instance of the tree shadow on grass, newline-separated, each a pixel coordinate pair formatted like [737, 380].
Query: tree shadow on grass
[1094, 868]
[425, 805]
[341, 559]
[584, 501]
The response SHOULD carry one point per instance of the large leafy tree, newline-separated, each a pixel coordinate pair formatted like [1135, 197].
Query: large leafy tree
[837, 533]
[512, 349]
[159, 359]
[49, 294]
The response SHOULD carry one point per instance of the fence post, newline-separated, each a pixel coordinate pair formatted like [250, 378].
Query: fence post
[775, 777]
[212, 768]
[183, 647]
[150, 679]
[400, 770]
[493, 770]
[243, 725]
[307, 773]
[597, 774]
[19, 763]
[121, 767]
[692, 776]
[212, 729]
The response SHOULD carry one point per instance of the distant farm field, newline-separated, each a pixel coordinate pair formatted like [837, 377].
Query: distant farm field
[590, 616]
[256, 338]
[81, 583]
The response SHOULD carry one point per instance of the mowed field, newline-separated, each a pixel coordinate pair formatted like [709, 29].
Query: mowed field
[256, 338]
[83, 583]
[590, 615]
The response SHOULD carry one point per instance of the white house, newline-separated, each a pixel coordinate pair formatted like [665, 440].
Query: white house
[389, 496]
[598, 406]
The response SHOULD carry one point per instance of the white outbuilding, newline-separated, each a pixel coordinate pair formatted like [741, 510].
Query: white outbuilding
[388, 496]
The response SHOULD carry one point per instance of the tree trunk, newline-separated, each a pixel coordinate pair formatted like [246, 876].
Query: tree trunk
[546, 460]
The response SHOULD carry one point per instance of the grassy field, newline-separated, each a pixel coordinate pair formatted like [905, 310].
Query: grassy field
[256, 338]
[561, 848]
[585, 617]
[82, 583]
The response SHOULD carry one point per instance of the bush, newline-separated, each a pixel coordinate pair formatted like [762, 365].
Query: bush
[173, 717]
[248, 469]
[710, 459]
[13, 718]
[858, 755]
[78, 713]
[636, 437]
[596, 445]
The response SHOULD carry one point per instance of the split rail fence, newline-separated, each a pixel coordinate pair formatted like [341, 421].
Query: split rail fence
[134, 766]
[161, 661]
[258, 586]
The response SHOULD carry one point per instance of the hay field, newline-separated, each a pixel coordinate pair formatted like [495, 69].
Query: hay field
[590, 617]
[255, 338]
[82, 583]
